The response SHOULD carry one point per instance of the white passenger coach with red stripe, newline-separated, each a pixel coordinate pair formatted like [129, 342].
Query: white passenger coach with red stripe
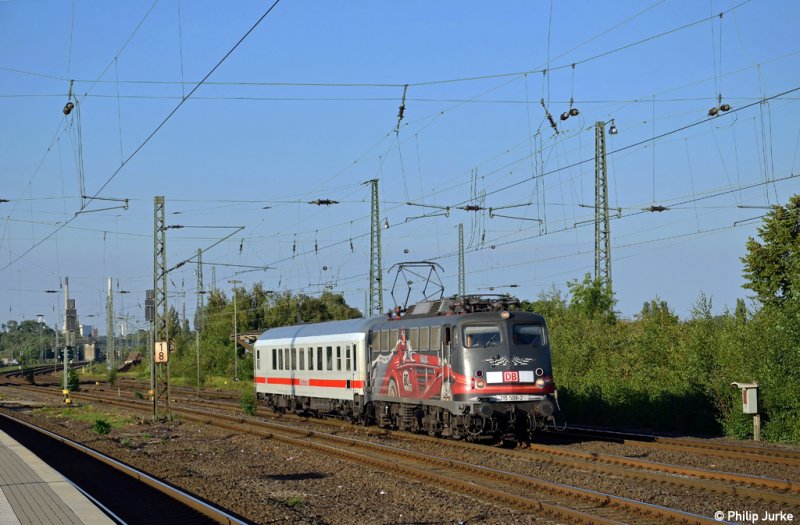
[322, 360]
[460, 367]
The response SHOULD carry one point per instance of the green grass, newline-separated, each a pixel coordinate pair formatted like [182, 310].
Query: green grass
[86, 414]
[294, 501]
[225, 383]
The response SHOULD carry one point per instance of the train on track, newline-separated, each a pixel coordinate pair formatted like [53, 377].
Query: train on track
[464, 367]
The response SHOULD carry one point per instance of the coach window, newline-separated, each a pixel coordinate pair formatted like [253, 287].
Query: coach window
[347, 358]
[310, 358]
[329, 351]
[302, 358]
[274, 359]
[258, 359]
[294, 358]
[319, 358]
[414, 338]
[355, 358]
[338, 358]
[424, 338]
[436, 337]
[286, 361]
[280, 359]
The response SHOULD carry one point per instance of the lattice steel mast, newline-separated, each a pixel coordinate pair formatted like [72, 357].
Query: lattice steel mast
[160, 370]
[462, 279]
[110, 350]
[602, 229]
[375, 264]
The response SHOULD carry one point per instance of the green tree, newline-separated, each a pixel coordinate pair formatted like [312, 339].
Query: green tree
[592, 299]
[772, 266]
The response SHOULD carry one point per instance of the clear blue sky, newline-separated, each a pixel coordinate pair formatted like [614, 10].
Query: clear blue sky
[306, 107]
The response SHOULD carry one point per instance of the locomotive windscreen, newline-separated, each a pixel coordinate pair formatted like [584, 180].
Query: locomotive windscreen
[482, 336]
[528, 334]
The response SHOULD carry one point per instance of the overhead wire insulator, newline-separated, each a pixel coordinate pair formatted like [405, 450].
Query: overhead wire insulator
[69, 106]
[401, 110]
[549, 116]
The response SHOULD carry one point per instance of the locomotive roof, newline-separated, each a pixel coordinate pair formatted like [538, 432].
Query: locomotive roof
[349, 326]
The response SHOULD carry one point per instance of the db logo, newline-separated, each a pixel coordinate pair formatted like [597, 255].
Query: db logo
[510, 376]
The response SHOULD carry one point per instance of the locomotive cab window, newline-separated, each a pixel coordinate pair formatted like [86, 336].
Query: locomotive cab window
[529, 334]
[481, 336]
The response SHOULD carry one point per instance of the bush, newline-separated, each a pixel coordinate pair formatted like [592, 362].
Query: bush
[249, 402]
[73, 381]
[112, 376]
[101, 426]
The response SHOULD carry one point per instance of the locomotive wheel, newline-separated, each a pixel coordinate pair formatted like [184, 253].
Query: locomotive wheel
[392, 390]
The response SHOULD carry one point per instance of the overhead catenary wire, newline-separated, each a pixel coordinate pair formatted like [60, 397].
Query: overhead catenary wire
[417, 83]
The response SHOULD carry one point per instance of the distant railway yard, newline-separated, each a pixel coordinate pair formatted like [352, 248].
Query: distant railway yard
[287, 468]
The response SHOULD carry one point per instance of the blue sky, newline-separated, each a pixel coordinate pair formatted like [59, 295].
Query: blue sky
[306, 108]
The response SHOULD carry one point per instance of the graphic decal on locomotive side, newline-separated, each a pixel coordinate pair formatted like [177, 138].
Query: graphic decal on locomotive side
[403, 371]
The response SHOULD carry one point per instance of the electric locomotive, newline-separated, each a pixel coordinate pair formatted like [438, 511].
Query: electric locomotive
[464, 367]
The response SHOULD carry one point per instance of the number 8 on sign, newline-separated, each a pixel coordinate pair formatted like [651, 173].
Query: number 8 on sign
[162, 355]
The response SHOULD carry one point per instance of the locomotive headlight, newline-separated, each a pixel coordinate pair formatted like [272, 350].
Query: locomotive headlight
[540, 382]
[505, 314]
[480, 383]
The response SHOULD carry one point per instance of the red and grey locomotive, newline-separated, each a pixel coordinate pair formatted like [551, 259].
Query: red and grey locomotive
[463, 367]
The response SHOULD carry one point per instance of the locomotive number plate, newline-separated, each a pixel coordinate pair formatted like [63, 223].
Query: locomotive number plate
[512, 397]
[511, 376]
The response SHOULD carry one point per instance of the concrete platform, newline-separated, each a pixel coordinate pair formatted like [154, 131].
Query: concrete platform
[32, 493]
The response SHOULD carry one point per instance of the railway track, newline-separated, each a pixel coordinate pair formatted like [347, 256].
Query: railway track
[754, 488]
[494, 485]
[757, 488]
[740, 485]
[711, 448]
